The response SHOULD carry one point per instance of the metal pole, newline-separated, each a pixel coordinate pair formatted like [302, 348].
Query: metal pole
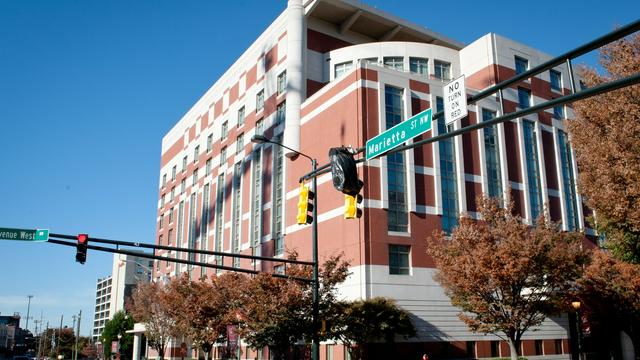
[77, 336]
[315, 347]
[28, 309]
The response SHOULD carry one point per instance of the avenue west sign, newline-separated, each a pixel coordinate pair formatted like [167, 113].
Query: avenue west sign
[399, 134]
[24, 234]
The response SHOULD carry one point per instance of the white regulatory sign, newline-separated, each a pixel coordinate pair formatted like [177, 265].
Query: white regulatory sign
[455, 100]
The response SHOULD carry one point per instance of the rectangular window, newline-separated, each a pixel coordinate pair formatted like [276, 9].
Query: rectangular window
[194, 180]
[282, 82]
[397, 215]
[237, 211]
[495, 348]
[259, 127]
[471, 349]
[219, 216]
[184, 163]
[342, 68]
[278, 197]
[204, 222]
[173, 173]
[241, 116]
[239, 143]
[170, 215]
[418, 65]
[492, 156]
[394, 62]
[191, 244]
[568, 181]
[555, 78]
[522, 64]
[180, 223]
[223, 155]
[173, 193]
[162, 200]
[538, 347]
[208, 166]
[209, 142]
[161, 222]
[558, 346]
[533, 169]
[260, 101]
[448, 175]
[524, 98]
[183, 186]
[399, 259]
[196, 153]
[164, 179]
[256, 202]
[225, 130]
[442, 70]
[372, 61]
[558, 112]
[281, 113]
[160, 240]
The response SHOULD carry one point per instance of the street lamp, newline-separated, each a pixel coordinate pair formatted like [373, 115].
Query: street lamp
[315, 345]
[119, 338]
[576, 306]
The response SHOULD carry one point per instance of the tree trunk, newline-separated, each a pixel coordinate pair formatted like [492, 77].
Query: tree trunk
[513, 348]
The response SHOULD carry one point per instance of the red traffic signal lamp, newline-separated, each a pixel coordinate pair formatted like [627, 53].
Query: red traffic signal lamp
[81, 248]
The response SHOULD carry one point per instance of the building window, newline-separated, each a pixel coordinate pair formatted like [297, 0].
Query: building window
[184, 163]
[194, 179]
[397, 214]
[237, 211]
[342, 68]
[209, 142]
[164, 179]
[173, 193]
[191, 244]
[225, 130]
[256, 204]
[219, 216]
[394, 62]
[160, 240]
[399, 259]
[495, 348]
[471, 349]
[173, 173]
[241, 116]
[259, 127]
[418, 65]
[281, 113]
[204, 222]
[170, 215]
[522, 65]
[282, 82]
[239, 143]
[161, 222]
[524, 98]
[558, 112]
[372, 61]
[183, 186]
[533, 169]
[557, 343]
[538, 347]
[223, 155]
[568, 181]
[196, 153]
[162, 200]
[208, 166]
[447, 174]
[555, 80]
[260, 101]
[492, 156]
[180, 223]
[278, 197]
[442, 70]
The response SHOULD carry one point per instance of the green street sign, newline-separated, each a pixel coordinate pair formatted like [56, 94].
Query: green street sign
[24, 234]
[397, 135]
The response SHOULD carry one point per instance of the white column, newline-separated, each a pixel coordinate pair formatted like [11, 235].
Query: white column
[295, 75]
[136, 346]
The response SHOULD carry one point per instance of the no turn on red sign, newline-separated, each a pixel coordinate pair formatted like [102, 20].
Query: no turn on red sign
[455, 100]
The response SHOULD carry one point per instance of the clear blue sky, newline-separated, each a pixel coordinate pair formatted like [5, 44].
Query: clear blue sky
[88, 89]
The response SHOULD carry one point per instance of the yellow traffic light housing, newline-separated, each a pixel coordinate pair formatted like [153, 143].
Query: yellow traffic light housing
[351, 209]
[304, 205]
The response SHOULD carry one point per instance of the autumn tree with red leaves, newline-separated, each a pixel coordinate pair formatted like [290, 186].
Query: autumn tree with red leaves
[504, 275]
[606, 137]
[149, 307]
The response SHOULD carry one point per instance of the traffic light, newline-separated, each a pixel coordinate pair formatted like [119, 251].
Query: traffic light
[81, 248]
[304, 205]
[351, 209]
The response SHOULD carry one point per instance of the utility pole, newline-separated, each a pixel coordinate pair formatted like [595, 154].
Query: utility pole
[28, 309]
[75, 357]
[59, 335]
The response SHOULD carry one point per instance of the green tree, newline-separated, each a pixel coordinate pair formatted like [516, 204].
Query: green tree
[506, 277]
[118, 325]
[365, 321]
[605, 137]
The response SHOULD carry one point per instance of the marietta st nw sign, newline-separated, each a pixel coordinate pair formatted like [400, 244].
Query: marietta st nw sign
[24, 234]
[397, 135]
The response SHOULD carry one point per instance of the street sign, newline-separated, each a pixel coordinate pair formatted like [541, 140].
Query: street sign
[24, 234]
[397, 135]
[455, 100]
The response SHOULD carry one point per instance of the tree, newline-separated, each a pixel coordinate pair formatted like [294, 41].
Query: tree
[504, 275]
[609, 292]
[149, 307]
[118, 325]
[605, 137]
[366, 321]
